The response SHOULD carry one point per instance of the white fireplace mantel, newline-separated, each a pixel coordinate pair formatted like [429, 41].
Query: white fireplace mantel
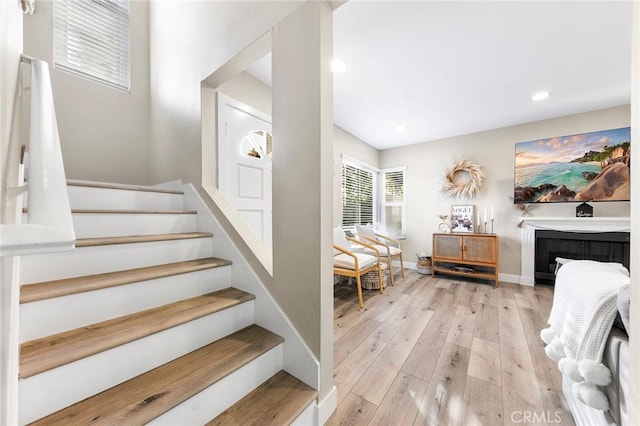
[567, 224]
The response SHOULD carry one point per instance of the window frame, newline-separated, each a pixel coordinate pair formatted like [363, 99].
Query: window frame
[379, 196]
[374, 193]
[91, 39]
[402, 204]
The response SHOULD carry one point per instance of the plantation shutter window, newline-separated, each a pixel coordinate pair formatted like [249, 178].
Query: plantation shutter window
[91, 39]
[358, 198]
[393, 205]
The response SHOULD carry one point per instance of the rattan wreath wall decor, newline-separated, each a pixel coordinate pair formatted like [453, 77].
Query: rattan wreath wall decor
[454, 188]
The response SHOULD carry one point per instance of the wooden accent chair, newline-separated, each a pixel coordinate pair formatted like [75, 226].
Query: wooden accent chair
[350, 264]
[389, 248]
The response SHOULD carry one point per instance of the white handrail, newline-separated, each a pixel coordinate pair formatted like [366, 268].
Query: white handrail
[49, 226]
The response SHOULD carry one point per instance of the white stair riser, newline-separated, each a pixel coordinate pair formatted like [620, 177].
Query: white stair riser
[81, 197]
[90, 225]
[50, 316]
[52, 390]
[100, 259]
[212, 401]
[307, 417]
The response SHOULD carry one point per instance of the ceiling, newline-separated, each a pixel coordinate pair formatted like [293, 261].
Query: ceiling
[444, 69]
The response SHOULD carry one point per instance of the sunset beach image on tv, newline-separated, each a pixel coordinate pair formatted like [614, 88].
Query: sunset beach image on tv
[584, 167]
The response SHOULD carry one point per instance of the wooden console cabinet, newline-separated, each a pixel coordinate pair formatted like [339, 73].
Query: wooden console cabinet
[472, 250]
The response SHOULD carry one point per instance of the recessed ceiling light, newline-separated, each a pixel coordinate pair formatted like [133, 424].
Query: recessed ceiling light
[401, 127]
[540, 96]
[339, 65]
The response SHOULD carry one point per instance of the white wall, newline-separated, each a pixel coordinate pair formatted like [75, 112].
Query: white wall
[202, 37]
[249, 90]
[104, 132]
[302, 181]
[634, 334]
[10, 139]
[494, 151]
[10, 125]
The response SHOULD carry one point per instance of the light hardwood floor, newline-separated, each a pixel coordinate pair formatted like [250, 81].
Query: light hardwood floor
[445, 351]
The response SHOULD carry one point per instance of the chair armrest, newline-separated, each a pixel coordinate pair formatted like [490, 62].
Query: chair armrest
[349, 253]
[393, 240]
[378, 243]
[362, 243]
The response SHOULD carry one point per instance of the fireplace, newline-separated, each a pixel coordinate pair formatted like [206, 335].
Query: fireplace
[530, 225]
[600, 246]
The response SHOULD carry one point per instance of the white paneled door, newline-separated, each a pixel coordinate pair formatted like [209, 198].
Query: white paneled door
[244, 151]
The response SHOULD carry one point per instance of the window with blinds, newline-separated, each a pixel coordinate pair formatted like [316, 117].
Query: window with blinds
[358, 195]
[91, 39]
[393, 205]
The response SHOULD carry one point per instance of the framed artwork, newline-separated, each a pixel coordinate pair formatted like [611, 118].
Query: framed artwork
[462, 218]
[576, 168]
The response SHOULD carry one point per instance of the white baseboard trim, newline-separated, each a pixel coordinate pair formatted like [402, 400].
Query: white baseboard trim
[407, 265]
[327, 406]
[509, 278]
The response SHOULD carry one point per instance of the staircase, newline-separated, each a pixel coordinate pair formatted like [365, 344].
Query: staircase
[140, 324]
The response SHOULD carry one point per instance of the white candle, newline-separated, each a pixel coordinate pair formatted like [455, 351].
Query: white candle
[485, 215]
[491, 211]
[478, 218]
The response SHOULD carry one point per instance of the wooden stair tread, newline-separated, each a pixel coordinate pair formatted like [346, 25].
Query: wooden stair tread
[118, 211]
[145, 397]
[67, 286]
[101, 241]
[278, 401]
[122, 186]
[49, 352]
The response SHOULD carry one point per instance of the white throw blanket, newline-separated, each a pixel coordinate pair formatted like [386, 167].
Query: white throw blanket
[584, 308]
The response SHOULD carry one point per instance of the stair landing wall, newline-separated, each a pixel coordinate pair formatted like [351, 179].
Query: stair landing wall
[298, 358]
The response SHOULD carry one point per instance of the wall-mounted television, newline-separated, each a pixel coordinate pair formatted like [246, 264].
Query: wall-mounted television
[575, 168]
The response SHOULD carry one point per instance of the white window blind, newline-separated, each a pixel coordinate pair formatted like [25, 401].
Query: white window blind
[393, 205]
[358, 198]
[91, 39]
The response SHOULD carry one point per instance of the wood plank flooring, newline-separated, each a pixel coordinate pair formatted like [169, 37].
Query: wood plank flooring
[441, 351]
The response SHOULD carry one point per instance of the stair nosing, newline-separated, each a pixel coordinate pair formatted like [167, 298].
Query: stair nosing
[67, 286]
[125, 212]
[72, 345]
[303, 396]
[116, 211]
[150, 398]
[124, 187]
[133, 239]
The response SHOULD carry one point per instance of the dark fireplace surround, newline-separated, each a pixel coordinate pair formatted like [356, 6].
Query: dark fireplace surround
[600, 246]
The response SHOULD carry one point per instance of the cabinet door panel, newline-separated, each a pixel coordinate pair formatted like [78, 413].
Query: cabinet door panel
[447, 246]
[480, 249]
